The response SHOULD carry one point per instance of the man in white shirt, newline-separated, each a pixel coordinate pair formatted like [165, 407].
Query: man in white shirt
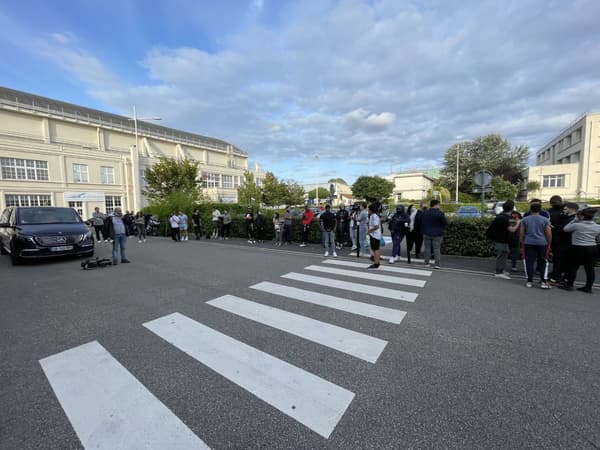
[174, 222]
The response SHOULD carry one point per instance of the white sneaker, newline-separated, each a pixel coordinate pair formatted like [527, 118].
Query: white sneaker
[303, 245]
[529, 284]
[140, 241]
[99, 241]
[502, 275]
[144, 240]
[326, 254]
[354, 247]
[392, 260]
[334, 254]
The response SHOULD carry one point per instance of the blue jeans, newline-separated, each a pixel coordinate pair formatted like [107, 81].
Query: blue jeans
[396, 241]
[362, 240]
[119, 242]
[329, 241]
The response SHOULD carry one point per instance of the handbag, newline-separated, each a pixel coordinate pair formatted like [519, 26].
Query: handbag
[382, 242]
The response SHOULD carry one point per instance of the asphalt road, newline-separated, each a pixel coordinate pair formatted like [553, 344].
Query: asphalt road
[476, 362]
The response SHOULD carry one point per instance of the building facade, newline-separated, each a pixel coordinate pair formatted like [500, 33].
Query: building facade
[410, 186]
[56, 153]
[569, 165]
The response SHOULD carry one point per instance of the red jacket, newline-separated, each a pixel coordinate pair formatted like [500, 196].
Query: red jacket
[307, 217]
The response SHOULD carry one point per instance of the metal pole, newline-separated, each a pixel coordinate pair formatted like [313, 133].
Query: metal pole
[135, 127]
[457, 159]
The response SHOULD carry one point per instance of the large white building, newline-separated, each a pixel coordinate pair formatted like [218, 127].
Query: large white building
[56, 153]
[569, 165]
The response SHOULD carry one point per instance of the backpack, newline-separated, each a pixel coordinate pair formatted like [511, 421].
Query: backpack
[490, 233]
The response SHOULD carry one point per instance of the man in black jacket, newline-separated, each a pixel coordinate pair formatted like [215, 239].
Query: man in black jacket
[556, 217]
[433, 223]
[501, 232]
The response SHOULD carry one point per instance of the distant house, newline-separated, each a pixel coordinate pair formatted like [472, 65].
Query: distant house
[569, 165]
[410, 186]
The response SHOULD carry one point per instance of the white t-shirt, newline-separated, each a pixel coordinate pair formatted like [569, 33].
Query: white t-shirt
[174, 221]
[374, 220]
[215, 215]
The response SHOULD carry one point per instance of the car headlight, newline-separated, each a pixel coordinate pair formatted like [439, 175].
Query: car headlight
[24, 237]
[87, 236]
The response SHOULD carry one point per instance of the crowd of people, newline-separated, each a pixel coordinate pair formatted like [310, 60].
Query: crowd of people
[563, 233]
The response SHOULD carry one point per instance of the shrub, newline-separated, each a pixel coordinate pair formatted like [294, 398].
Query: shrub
[465, 236]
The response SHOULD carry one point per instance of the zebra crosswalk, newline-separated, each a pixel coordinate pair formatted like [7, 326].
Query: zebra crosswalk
[109, 408]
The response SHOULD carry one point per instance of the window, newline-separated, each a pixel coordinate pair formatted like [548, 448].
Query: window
[210, 180]
[77, 206]
[111, 202]
[236, 182]
[553, 181]
[259, 182]
[107, 175]
[577, 135]
[23, 169]
[80, 173]
[27, 200]
[227, 181]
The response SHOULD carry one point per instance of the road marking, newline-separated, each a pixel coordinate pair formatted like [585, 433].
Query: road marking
[330, 301]
[307, 398]
[367, 276]
[108, 407]
[339, 262]
[364, 288]
[347, 341]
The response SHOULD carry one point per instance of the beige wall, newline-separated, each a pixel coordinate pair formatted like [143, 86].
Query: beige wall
[410, 186]
[33, 135]
[575, 152]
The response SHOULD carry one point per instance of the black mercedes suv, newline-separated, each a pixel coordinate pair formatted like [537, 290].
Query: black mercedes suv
[43, 231]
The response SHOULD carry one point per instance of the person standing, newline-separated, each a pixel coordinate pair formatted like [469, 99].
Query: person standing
[307, 218]
[259, 226]
[555, 214]
[140, 224]
[566, 241]
[415, 235]
[363, 228]
[118, 234]
[514, 247]
[500, 231]
[328, 223]
[374, 232]
[98, 223]
[342, 217]
[585, 235]
[433, 222]
[226, 232]
[215, 218]
[353, 227]
[174, 223]
[250, 226]
[287, 226]
[183, 225]
[197, 223]
[277, 225]
[536, 238]
[398, 224]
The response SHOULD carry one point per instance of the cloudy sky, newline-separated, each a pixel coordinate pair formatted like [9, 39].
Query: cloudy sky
[317, 89]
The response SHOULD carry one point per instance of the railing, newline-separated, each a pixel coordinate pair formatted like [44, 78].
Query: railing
[117, 122]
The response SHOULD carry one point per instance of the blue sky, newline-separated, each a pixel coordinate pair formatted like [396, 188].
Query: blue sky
[368, 86]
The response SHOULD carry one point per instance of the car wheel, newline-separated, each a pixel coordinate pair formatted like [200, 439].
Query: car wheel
[14, 258]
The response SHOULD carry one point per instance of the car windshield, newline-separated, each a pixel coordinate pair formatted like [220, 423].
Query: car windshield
[33, 216]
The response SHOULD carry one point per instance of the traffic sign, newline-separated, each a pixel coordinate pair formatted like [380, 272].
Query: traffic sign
[483, 178]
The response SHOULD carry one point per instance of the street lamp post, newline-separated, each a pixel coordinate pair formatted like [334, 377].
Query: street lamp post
[135, 160]
[457, 163]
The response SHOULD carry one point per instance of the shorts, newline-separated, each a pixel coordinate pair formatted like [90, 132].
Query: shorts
[183, 227]
[375, 243]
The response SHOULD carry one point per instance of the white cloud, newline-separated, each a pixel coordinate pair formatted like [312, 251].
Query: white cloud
[349, 78]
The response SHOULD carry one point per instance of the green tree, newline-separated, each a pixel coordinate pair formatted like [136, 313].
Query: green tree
[372, 188]
[169, 176]
[444, 194]
[293, 193]
[273, 190]
[505, 190]
[249, 193]
[533, 186]
[323, 193]
[491, 152]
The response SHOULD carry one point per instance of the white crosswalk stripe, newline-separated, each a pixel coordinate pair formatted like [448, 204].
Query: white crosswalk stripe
[365, 288]
[367, 276]
[108, 407]
[341, 262]
[307, 398]
[347, 341]
[330, 301]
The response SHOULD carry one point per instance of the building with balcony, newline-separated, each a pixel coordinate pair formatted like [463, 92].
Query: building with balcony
[56, 153]
[569, 165]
